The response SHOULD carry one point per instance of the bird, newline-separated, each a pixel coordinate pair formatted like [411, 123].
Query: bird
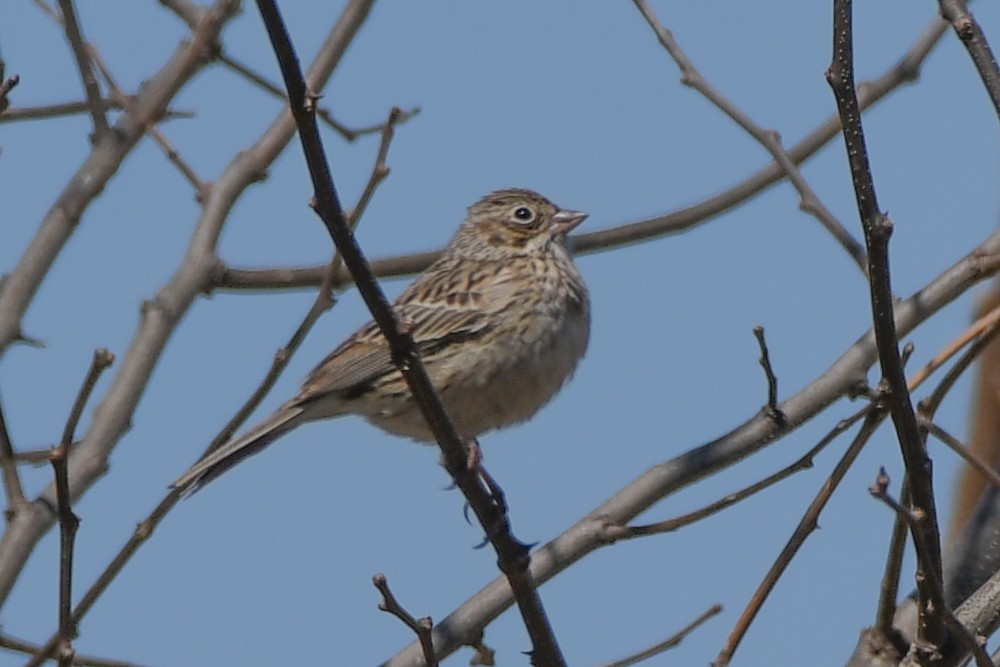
[501, 320]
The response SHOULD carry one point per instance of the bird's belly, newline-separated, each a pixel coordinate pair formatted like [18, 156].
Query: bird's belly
[483, 390]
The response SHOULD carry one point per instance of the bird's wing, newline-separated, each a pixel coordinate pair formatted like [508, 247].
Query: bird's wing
[365, 356]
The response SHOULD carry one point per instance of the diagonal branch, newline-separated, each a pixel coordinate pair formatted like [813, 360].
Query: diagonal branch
[95, 105]
[769, 139]
[513, 555]
[971, 33]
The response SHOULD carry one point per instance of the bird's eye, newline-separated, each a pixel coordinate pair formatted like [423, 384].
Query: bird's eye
[524, 214]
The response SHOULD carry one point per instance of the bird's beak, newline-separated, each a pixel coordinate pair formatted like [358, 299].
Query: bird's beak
[564, 222]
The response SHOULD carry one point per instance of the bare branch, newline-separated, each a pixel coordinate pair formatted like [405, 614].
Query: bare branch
[80, 50]
[805, 462]
[769, 139]
[161, 315]
[80, 660]
[919, 654]
[806, 526]
[878, 228]
[971, 33]
[668, 643]
[421, 627]
[8, 466]
[772, 379]
[68, 521]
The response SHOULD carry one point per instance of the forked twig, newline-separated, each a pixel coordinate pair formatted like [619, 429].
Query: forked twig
[421, 627]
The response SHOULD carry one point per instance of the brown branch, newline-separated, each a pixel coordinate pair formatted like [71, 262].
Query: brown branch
[349, 134]
[80, 51]
[668, 643]
[187, 171]
[907, 69]
[878, 228]
[186, 10]
[145, 529]
[15, 114]
[513, 556]
[68, 521]
[8, 466]
[769, 139]
[79, 660]
[957, 446]
[885, 613]
[804, 462]
[421, 627]
[986, 329]
[918, 654]
[956, 12]
[806, 526]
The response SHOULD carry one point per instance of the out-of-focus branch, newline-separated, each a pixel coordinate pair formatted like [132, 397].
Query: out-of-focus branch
[161, 315]
[349, 134]
[98, 168]
[769, 139]
[668, 643]
[8, 466]
[984, 430]
[74, 35]
[805, 527]
[6, 85]
[906, 70]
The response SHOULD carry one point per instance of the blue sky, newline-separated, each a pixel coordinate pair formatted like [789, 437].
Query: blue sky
[272, 563]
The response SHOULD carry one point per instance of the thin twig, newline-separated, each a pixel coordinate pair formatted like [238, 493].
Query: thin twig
[912, 517]
[68, 521]
[200, 186]
[324, 114]
[75, 36]
[513, 556]
[769, 139]
[982, 324]
[422, 627]
[772, 380]
[885, 613]
[8, 466]
[873, 418]
[906, 69]
[971, 34]
[986, 329]
[804, 462]
[16, 114]
[79, 660]
[668, 643]
[962, 450]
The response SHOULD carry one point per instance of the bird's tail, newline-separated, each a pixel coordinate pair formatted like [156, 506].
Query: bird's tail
[225, 457]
